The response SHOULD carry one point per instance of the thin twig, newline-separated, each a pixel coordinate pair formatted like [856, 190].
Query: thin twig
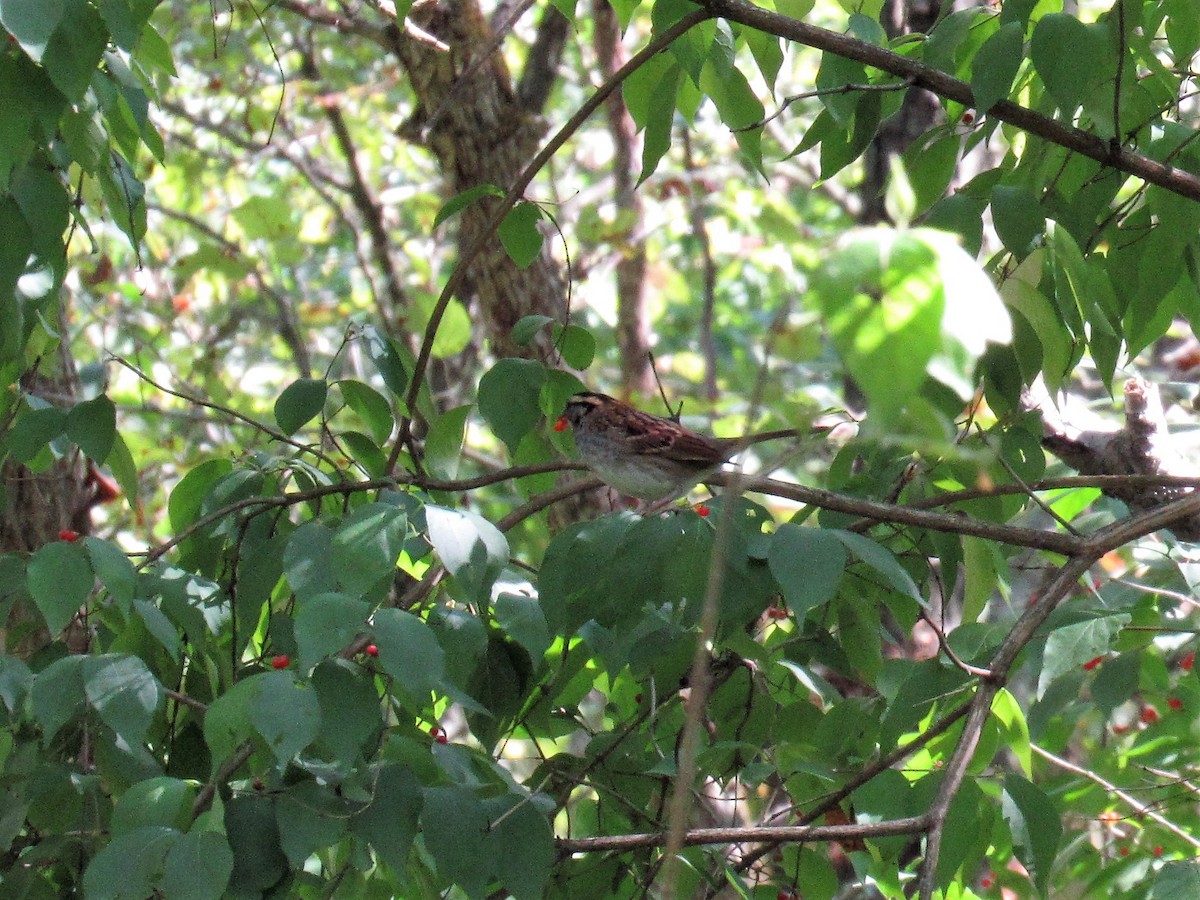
[1124, 796]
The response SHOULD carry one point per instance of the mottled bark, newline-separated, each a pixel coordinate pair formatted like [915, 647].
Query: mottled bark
[633, 326]
[469, 117]
[38, 505]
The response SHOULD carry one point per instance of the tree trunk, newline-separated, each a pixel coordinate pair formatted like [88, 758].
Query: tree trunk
[633, 326]
[469, 117]
[37, 506]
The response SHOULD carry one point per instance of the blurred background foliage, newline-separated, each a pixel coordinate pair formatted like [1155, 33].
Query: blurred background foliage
[265, 636]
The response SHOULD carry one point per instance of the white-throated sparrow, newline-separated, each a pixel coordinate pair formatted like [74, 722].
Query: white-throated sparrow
[642, 455]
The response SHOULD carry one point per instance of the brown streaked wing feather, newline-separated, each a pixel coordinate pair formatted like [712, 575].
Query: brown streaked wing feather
[661, 437]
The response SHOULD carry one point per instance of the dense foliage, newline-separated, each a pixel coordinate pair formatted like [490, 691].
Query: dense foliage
[331, 643]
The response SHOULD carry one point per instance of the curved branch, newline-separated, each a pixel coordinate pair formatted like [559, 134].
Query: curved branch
[1106, 152]
[775, 833]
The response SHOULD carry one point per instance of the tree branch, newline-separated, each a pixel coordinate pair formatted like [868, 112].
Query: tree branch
[1109, 153]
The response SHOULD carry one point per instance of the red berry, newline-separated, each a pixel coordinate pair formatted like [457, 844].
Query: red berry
[258, 784]
[372, 650]
[1175, 703]
[703, 511]
[1158, 850]
[1124, 851]
[282, 661]
[1091, 664]
[776, 612]
[987, 881]
[561, 424]
[638, 699]
[1188, 660]
[1149, 714]
[68, 535]
[786, 895]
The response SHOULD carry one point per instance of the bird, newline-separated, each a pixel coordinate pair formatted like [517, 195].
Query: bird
[643, 455]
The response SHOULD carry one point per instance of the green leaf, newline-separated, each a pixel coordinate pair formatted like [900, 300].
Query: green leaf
[881, 559]
[521, 847]
[57, 694]
[577, 346]
[835, 73]
[808, 564]
[1036, 828]
[1182, 27]
[930, 168]
[266, 217]
[520, 235]
[351, 717]
[523, 620]
[15, 681]
[371, 406]
[996, 64]
[155, 801]
[130, 864]
[461, 201]
[883, 298]
[258, 861]
[365, 452]
[795, 9]
[285, 712]
[390, 821]
[471, 548]
[736, 102]
[1008, 714]
[228, 722]
[125, 22]
[188, 496]
[508, 398]
[652, 90]
[409, 652]
[75, 49]
[124, 693]
[1021, 293]
[444, 442]
[325, 624]
[454, 826]
[310, 818]
[366, 545]
[1069, 647]
[968, 824]
[120, 460]
[198, 867]
[32, 22]
[527, 328]
[33, 430]
[60, 580]
[1066, 55]
[1018, 218]
[305, 561]
[300, 402]
[113, 568]
[1176, 881]
[386, 359]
